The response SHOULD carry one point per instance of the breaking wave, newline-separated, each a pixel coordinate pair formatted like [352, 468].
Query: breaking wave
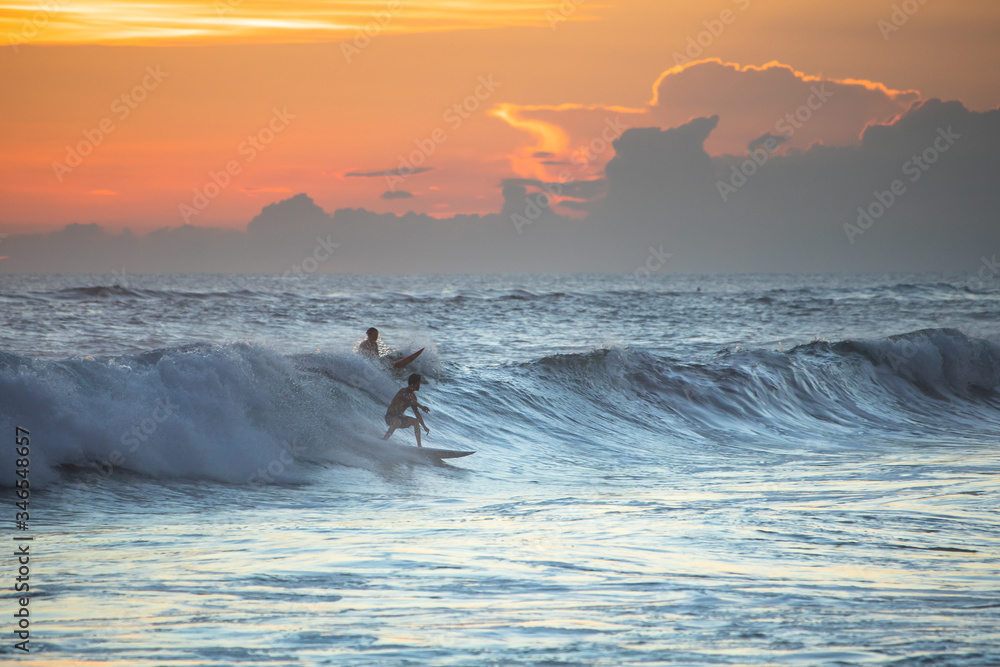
[240, 413]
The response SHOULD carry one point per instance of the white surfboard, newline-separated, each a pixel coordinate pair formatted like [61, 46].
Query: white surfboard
[431, 452]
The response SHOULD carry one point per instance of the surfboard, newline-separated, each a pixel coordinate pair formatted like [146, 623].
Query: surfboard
[398, 451]
[432, 453]
[401, 363]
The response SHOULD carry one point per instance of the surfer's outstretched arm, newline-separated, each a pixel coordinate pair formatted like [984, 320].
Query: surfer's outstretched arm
[419, 417]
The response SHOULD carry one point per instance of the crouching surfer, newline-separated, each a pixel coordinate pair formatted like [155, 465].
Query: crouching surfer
[406, 398]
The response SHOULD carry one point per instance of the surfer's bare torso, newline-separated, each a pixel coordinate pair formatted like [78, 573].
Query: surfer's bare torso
[401, 402]
[405, 399]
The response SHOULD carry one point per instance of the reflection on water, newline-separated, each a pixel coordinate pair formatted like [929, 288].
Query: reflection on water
[780, 565]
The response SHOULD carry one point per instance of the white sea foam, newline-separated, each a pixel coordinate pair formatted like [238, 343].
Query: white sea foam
[242, 413]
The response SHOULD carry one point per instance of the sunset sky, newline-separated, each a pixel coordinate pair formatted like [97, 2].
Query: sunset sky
[126, 114]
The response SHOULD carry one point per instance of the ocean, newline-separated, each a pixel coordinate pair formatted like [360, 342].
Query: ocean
[792, 470]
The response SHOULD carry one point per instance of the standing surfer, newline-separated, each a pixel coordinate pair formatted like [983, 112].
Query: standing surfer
[406, 398]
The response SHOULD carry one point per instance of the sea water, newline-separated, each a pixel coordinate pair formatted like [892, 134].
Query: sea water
[681, 470]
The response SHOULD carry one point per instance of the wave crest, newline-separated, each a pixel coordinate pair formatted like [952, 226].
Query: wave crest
[244, 413]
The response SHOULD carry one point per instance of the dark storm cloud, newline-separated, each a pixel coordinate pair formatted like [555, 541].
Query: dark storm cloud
[575, 189]
[925, 186]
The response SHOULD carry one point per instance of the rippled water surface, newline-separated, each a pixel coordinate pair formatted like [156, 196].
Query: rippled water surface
[734, 470]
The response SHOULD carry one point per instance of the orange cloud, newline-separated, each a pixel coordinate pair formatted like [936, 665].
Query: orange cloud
[751, 101]
[257, 21]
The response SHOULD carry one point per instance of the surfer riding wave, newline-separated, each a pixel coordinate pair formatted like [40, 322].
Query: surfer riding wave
[406, 398]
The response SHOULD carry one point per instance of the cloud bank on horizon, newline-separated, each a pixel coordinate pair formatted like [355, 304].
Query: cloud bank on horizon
[727, 168]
